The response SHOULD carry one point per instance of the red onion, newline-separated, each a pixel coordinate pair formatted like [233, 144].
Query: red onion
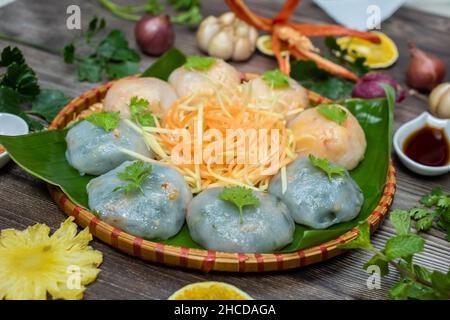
[369, 87]
[425, 70]
[154, 34]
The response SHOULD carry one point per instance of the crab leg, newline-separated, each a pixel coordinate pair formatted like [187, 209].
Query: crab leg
[311, 30]
[245, 14]
[287, 10]
[276, 48]
[316, 98]
[323, 63]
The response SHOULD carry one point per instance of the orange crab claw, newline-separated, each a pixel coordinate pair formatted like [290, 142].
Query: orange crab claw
[323, 63]
[311, 30]
[276, 48]
[286, 12]
[245, 14]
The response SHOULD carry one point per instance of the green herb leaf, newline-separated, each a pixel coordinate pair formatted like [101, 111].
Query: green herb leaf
[419, 213]
[240, 197]
[424, 224]
[22, 79]
[140, 113]
[276, 79]
[49, 103]
[333, 112]
[403, 246]
[432, 198]
[153, 7]
[106, 120]
[318, 80]
[400, 291]
[10, 55]
[362, 241]
[121, 69]
[199, 63]
[401, 221]
[90, 70]
[191, 17]
[135, 175]
[69, 53]
[380, 262]
[184, 4]
[326, 166]
[95, 26]
[112, 56]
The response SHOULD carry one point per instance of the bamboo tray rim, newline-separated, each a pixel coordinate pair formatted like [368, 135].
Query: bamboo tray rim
[200, 259]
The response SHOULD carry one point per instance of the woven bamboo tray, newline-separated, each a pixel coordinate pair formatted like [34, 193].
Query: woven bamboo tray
[205, 260]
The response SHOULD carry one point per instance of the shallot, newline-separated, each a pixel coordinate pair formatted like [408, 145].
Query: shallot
[425, 70]
[370, 87]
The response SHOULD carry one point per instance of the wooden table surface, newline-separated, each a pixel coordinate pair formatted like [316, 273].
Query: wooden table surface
[25, 200]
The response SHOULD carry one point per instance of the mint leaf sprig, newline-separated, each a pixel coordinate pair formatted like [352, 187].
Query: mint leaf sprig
[134, 174]
[240, 197]
[416, 281]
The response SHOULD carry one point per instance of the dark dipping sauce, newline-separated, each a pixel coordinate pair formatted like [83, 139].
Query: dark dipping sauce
[428, 146]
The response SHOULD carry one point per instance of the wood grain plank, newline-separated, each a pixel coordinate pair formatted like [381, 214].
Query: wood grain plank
[123, 277]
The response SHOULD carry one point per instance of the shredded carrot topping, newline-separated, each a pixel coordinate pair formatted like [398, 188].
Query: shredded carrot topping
[195, 138]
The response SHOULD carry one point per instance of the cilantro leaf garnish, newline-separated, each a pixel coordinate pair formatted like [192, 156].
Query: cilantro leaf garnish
[276, 79]
[333, 112]
[438, 210]
[240, 197]
[134, 174]
[111, 57]
[140, 113]
[326, 166]
[199, 63]
[106, 120]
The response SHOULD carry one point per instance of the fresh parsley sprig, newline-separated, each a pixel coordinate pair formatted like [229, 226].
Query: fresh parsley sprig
[140, 113]
[326, 166]
[276, 79]
[416, 281]
[134, 174]
[111, 57]
[19, 87]
[240, 197]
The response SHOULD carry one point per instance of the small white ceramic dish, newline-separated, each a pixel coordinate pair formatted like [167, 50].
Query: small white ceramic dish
[405, 130]
[11, 125]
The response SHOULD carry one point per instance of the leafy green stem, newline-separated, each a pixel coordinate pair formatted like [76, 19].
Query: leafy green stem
[124, 12]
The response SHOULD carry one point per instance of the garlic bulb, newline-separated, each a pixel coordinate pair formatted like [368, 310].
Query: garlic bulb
[227, 37]
[439, 101]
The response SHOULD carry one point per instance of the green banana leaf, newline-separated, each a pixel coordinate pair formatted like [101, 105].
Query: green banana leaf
[43, 155]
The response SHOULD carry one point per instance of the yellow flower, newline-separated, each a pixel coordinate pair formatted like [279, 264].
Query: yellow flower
[34, 264]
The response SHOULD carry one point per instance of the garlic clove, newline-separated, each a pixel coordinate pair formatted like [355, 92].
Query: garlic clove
[221, 45]
[206, 31]
[242, 49]
[227, 18]
[439, 101]
[242, 31]
[253, 36]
